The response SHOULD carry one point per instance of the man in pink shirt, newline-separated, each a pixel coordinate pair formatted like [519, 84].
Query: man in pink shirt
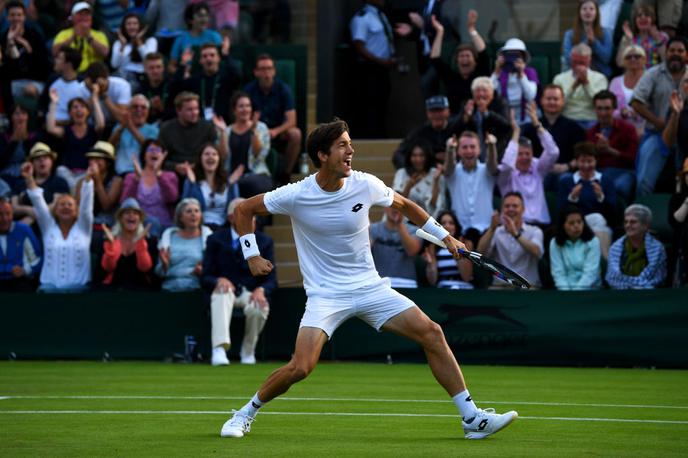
[520, 172]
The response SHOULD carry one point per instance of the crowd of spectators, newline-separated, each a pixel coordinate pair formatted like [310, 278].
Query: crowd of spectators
[119, 166]
[551, 178]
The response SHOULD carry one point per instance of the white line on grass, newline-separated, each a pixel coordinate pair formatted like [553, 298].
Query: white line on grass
[429, 401]
[331, 414]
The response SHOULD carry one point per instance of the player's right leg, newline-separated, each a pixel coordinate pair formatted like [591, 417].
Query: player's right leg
[309, 343]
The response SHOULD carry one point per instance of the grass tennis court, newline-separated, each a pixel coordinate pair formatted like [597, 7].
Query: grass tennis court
[343, 409]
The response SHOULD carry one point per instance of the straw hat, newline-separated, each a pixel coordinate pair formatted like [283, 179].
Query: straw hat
[41, 149]
[102, 149]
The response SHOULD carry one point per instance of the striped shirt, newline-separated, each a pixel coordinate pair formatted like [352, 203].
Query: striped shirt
[448, 275]
[652, 275]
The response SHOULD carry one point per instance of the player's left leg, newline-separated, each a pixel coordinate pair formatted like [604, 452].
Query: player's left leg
[413, 324]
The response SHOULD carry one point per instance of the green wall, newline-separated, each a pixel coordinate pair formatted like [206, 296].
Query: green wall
[599, 328]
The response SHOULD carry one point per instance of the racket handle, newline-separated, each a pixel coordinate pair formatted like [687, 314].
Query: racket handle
[432, 239]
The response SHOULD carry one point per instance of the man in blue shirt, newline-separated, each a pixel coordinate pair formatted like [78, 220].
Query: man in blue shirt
[273, 103]
[20, 252]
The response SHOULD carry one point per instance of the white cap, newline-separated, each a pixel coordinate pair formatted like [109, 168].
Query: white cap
[80, 6]
[514, 44]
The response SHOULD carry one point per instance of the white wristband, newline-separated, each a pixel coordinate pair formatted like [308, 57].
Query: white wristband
[432, 227]
[249, 246]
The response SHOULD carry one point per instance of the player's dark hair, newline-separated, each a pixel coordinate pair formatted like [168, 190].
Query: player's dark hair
[322, 138]
[560, 237]
[426, 148]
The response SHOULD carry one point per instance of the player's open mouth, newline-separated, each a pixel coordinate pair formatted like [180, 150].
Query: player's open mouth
[348, 162]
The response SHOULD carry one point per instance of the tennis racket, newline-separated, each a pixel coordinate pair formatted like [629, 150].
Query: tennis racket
[498, 270]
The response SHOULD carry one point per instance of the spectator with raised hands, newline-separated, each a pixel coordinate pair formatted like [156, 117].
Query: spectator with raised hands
[66, 231]
[128, 137]
[155, 189]
[442, 269]
[622, 86]
[197, 19]
[675, 133]
[419, 181]
[114, 93]
[637, 260]
[209, 183]
[78, 136]
[180, 250]
[580, 84]
[107, 184]
[514, 80]
[93, 45]
[42, 158]
[131, 48]
[249, 145]
[574, 253]
[511, 241]
[520, 171]
[25, 59]
[587, 29]
[642, 31]
[593, 192]
[484, 114]
[471, 61]
[127, 260]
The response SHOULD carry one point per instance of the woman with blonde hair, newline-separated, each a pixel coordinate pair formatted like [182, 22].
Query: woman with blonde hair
[66, 231]
[622, 86]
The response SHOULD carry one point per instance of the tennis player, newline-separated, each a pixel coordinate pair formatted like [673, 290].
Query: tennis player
[329, 213]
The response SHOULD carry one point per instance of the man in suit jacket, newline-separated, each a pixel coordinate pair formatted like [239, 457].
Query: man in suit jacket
[227, 277]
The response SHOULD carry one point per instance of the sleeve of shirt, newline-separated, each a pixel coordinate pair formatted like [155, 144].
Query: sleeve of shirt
[597, 83]
[281, 200]
[43, 216]
[380, 193]
[614, 276]
[288, 97]
[550, 153]
[536, 238]
[122, 93]
[100, 37]
[63, 35]
[591, 268]
[556, 262]
[177, 48]
[85, 219]
[358, 29]
[566, 49]
[399, 180]
[655, 272]
[117, 57]
[643, 89]
[529, 88]
[602, 47]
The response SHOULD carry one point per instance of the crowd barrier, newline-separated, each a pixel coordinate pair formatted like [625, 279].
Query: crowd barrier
[584, 328]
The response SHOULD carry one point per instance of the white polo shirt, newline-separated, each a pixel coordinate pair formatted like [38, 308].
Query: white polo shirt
[331, 230]
[471, 196]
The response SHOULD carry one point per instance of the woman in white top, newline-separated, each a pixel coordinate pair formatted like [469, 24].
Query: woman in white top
[622, 86]
[66, 235]
[420, 182]
[130, 48]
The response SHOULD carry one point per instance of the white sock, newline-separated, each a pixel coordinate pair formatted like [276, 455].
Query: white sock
[252, 406]
[466, 406]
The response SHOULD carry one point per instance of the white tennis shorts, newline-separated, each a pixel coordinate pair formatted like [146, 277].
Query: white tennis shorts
[374, 304]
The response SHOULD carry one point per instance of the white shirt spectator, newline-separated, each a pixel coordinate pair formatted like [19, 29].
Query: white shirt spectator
[505, 249]
[119, 91]
[121, 59]
[67, 91]
[471, 196]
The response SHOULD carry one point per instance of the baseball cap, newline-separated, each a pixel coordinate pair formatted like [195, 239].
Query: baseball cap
[80, 6]
[437, 102]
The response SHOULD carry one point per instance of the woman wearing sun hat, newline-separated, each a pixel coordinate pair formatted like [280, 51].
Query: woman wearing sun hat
[126, 258]
[42, 158]
[107, 185]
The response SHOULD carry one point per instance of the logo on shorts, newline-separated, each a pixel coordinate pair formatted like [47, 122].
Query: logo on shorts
[357, 207]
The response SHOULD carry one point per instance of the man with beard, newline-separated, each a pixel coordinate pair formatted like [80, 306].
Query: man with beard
[651, 100]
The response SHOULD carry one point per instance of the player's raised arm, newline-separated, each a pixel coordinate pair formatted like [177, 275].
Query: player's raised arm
[422, 219]
[244, 217]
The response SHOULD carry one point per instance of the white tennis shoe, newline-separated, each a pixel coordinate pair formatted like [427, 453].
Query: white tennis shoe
[237, 426]
[487, 422]
[219, 357]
